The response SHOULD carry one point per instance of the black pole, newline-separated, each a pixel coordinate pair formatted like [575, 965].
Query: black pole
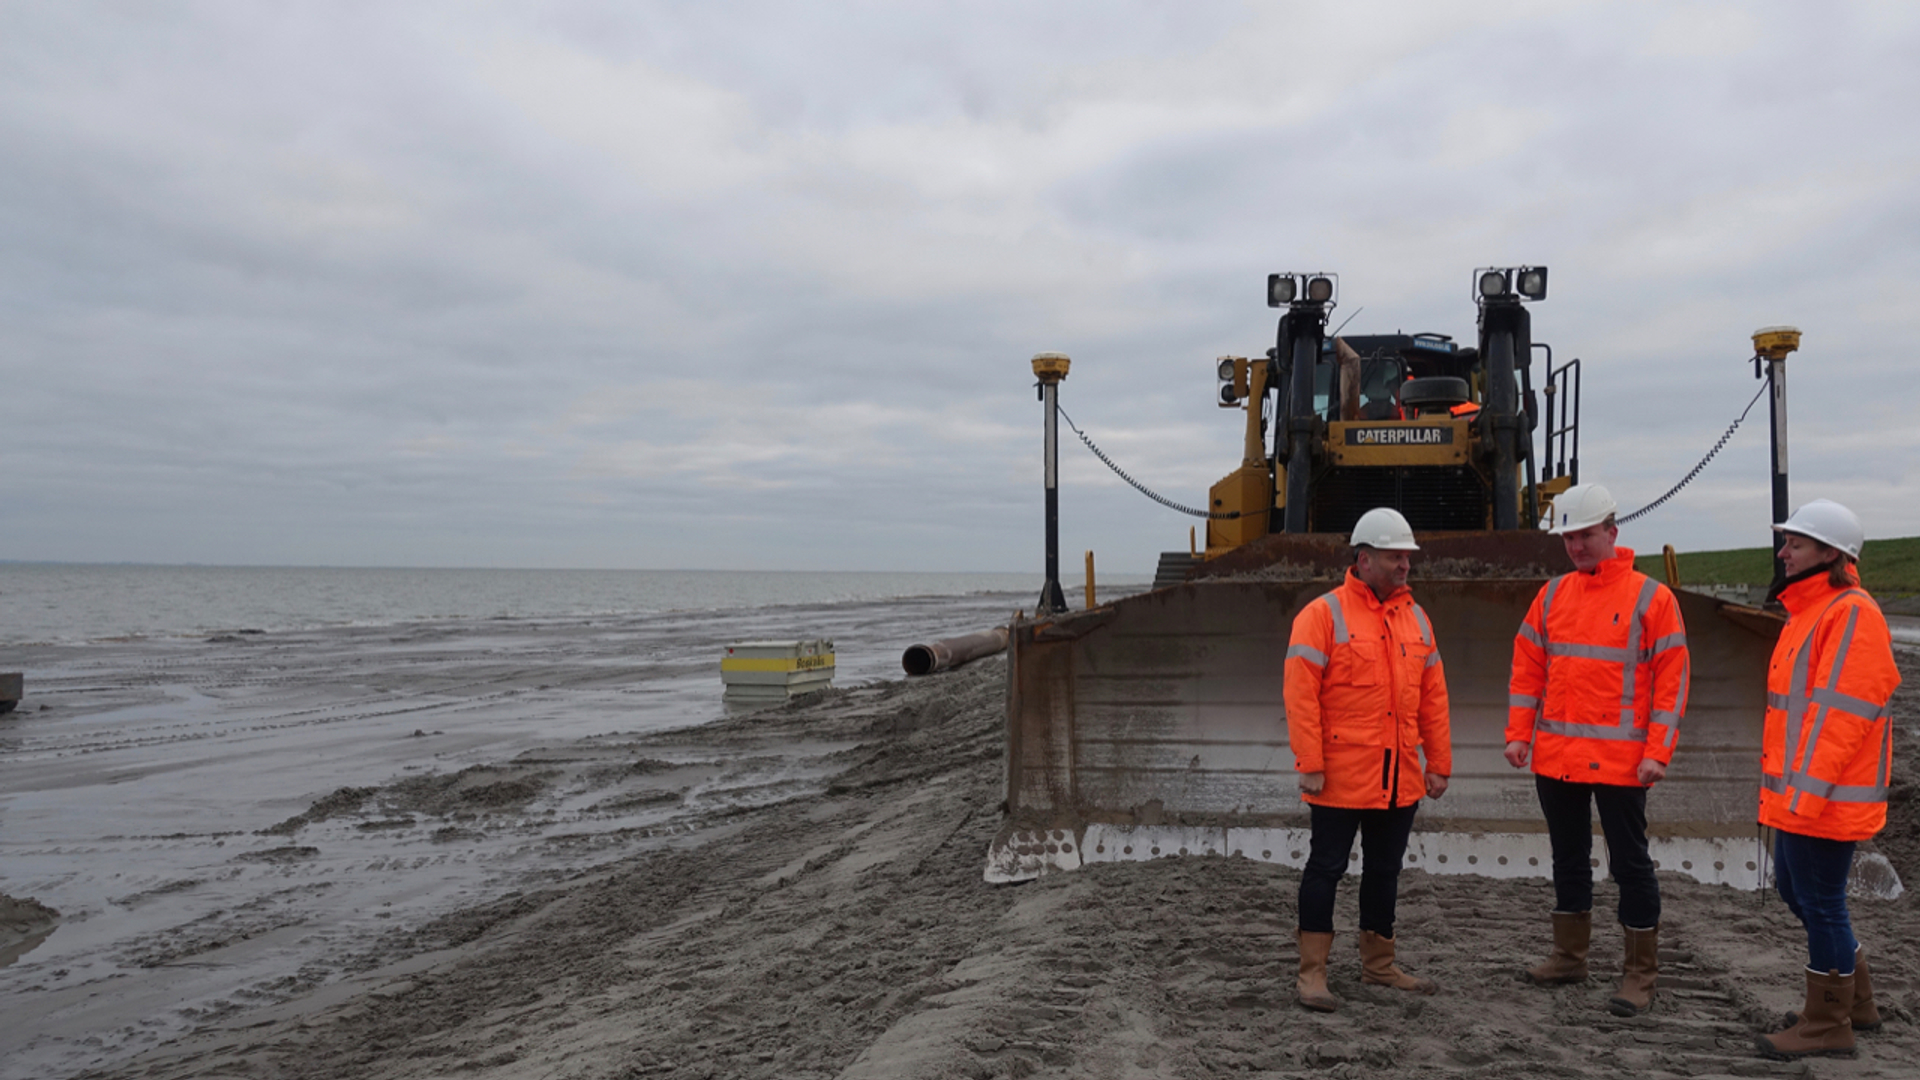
[1777, 383]
[1050, 368]
[1772, 344]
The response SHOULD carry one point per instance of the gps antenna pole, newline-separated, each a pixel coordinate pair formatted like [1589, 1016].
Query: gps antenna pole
[1050, 368]
[1771, 344]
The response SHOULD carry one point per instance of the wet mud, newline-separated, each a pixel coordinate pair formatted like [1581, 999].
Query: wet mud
[833, 923]
[24, 924]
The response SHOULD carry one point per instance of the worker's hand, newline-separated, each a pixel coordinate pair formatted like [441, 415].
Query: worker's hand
[1436, 785]
[1312, 782]
[1517, 754]
[1651, 772]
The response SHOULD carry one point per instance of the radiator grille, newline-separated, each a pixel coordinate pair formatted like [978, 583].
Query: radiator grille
[1431, 497]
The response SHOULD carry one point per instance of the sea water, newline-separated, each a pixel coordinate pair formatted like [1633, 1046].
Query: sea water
[68, 603]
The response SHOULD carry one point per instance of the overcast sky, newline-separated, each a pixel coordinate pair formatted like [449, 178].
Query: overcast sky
[737, 285]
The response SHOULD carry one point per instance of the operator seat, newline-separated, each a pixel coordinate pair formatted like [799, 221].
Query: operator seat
[1434, 395]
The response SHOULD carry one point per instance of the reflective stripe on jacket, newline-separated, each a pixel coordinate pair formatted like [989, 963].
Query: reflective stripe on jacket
[1827, 750]
[1366, 695]
[1600, 673]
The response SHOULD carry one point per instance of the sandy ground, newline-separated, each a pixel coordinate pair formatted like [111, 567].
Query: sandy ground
[844, 931]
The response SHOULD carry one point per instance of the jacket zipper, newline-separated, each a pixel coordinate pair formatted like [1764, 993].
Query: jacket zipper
[1389, 774]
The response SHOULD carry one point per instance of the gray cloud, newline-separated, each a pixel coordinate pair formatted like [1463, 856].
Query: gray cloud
[735, 285]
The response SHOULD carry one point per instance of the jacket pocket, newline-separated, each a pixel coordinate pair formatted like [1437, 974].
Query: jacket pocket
[1357, 699]
[1356, 663]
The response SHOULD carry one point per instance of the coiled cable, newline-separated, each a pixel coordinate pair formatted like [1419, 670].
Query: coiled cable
[1687, 479]
[1137, 485]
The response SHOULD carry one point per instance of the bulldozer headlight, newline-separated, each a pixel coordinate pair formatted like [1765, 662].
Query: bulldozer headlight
[1510, 284]
[1281, 289]
[1234, 383]
[1285, 290]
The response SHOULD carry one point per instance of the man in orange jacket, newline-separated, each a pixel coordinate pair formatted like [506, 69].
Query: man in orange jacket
[1599, 685]
[1366, 697]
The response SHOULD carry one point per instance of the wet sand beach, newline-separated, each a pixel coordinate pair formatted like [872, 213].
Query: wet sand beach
[797, 893]
[228, 820]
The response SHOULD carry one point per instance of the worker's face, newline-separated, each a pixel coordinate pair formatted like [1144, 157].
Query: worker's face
[1383, 571]
[1801, 553]
[1591, 546]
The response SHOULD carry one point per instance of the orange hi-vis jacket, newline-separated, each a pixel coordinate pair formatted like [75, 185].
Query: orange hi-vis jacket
[1366, 695]
[1828, 745]
[1600, 672]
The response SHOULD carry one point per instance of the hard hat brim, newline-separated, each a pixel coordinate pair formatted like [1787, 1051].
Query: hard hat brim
[1785, 527]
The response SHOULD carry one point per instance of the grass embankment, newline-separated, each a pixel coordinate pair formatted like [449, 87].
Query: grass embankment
[1887, 567]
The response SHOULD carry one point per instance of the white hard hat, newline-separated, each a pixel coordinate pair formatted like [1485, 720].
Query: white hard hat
[1828, 522]
[1581, 506]
[1384, 528]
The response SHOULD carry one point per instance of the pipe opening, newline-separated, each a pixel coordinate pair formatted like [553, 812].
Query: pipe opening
[918, 660]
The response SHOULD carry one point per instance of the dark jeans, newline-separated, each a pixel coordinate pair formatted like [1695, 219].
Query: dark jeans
[1811, 874]
[1623, 818]
[1383, 845]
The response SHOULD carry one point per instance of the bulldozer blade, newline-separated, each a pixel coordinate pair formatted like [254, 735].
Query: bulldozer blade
[1155, 726]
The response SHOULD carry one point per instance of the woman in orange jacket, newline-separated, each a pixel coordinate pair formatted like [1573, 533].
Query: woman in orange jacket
[1366, 697]
[1826, 755]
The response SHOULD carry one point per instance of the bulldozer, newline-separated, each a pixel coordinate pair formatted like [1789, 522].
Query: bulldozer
[1155, 725]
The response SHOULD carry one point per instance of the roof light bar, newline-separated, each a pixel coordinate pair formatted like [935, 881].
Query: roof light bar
[1285, 290]
[1509, 284]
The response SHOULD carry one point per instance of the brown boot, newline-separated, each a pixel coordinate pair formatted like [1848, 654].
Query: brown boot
[1377, 966]
[1567, 963]
[1824, 1028]
[1865, 1015]
[1637, 973]
[1313, 972]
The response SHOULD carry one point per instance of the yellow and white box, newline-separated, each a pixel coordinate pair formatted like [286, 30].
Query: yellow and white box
[760, 671]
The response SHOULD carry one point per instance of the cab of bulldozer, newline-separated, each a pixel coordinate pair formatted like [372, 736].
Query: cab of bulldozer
[1402, 376]
[1412, 439]
[1380, 379]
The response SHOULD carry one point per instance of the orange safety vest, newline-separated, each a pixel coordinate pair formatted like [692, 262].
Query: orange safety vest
[1366, 694]
[1600, 672]
[1828, 746]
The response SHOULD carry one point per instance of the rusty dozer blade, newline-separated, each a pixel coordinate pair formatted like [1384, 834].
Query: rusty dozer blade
[1156, 725]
